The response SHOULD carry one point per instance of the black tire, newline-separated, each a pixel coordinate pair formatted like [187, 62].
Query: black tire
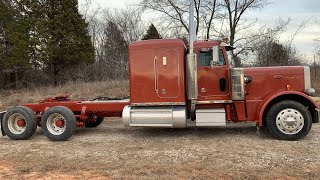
[51, 131]
[99, 120]
[289, 120]
[13, 131]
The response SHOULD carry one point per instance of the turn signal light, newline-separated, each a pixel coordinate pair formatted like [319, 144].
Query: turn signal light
[288, 87]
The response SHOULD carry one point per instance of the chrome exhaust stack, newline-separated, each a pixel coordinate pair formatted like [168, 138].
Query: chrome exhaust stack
[191, 65]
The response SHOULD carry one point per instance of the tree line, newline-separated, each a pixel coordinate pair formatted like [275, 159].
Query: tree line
[41, 39]
[52, 41]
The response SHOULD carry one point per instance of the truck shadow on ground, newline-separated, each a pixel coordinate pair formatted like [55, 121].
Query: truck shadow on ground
[146, 132]
[212, 132]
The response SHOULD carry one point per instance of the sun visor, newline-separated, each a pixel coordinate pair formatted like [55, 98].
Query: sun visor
[227, 46]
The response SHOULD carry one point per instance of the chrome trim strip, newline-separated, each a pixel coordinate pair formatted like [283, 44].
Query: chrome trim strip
[215, 102]
[307, 77]
[159, 104]
[224, 95]
[253, 100]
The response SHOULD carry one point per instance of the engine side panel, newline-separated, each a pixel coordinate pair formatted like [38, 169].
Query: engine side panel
[269, 80]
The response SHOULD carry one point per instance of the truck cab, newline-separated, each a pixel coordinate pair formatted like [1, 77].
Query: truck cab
[206, 88]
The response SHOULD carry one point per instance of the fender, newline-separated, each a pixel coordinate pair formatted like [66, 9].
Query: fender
[1, 117]
[269, 98]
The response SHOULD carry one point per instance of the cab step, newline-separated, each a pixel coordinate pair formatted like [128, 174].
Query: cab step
[210, 117]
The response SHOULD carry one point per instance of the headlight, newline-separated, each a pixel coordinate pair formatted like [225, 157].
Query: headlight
[310, 91]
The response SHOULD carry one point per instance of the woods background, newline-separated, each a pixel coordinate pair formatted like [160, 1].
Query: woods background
[52, 42]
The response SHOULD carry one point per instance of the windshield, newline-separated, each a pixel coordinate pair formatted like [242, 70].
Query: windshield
[230, 57]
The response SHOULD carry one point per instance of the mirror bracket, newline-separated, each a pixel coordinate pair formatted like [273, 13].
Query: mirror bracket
[215, 54]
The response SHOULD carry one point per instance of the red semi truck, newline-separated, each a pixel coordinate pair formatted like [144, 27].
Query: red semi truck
[168, 86]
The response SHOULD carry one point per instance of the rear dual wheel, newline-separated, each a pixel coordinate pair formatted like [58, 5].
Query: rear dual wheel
[19, 123]
[58, 123]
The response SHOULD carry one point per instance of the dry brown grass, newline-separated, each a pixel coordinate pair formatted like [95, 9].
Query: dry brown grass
[77, 90]
[317, 99]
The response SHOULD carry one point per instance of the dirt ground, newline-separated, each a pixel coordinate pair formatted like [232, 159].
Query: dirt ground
[112, 151]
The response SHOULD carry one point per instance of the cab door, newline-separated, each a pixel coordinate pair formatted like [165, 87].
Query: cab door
[213, 77]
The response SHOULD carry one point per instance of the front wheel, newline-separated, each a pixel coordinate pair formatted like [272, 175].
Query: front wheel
[289, 120]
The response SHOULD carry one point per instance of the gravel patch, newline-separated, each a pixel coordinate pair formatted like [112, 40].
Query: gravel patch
[112, 151]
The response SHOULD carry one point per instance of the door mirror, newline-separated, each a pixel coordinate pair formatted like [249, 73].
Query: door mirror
[215, 56]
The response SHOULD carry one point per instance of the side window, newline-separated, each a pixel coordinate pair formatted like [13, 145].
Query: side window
[221, 58]
[206, 56]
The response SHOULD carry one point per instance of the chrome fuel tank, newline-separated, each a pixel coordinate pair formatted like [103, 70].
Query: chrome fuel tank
[155, 116]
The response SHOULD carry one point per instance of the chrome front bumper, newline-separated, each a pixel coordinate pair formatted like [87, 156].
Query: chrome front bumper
[1, 117]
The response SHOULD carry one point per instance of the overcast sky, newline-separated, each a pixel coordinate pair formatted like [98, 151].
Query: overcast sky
[298, 10]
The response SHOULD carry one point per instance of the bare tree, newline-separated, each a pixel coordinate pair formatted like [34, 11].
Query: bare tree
[210, 16]
[129, 21]
[114, 61]
[271, 52]
[175, 13]
[89, 10]
[111, 30]
[235, 11]
[317, 40]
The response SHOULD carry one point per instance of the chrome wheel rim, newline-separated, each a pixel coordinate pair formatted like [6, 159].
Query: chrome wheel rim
[52, 124]
[13, 123]
[290, 121]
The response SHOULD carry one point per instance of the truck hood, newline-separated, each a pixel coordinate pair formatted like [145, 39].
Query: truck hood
[267, 80]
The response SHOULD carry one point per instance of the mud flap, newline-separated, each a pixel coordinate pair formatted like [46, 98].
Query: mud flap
[316, 118]
[1, 117]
